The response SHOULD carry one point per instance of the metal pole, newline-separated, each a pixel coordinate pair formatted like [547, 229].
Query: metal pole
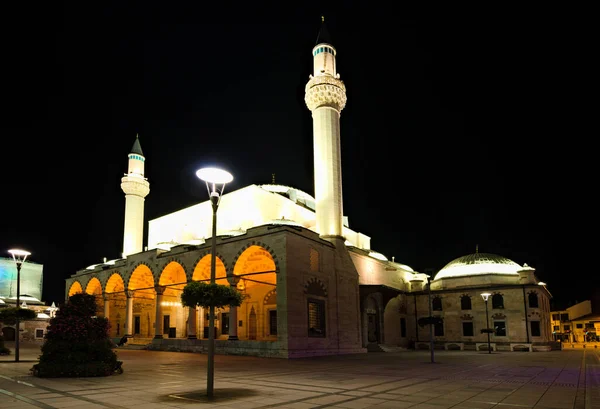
[430, 317]
[214, 198]
[487, 324]
[18, 332]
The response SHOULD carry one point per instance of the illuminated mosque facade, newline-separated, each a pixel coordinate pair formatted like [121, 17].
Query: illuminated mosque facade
[312, 285]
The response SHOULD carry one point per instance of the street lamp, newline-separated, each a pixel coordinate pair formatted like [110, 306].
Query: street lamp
[19, 257]
[485, 297]
[430, 317]
[215, 179]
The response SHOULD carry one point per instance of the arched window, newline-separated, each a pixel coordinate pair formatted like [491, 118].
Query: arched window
[465, 302]
[436, 304]
[497, 301]
[533, 300]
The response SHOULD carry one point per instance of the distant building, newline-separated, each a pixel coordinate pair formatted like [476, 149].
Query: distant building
[31, 280]
[577, 324]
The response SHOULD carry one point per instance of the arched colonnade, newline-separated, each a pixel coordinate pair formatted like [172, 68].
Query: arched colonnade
[144, 303]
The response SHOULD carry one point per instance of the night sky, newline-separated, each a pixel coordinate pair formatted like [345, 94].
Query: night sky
[458, 131]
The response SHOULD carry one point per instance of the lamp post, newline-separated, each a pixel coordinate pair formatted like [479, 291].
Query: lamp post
[485, 297]
[430, 317]
[19, 257]
[215, 179]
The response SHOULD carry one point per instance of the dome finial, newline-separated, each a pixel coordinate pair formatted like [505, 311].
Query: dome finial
[272, 178]
[322, 19]
[476, 248]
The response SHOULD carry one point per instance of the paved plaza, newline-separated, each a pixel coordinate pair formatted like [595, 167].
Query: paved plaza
[381, 380]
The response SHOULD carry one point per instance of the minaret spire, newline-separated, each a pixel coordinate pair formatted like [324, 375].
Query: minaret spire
[136, 188]
[325, 96]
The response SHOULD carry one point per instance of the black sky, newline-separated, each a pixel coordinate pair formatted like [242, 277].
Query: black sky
[458, 131]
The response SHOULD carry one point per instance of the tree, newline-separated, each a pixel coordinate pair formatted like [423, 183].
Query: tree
[8, 316]
[198, 293]
[76, 343]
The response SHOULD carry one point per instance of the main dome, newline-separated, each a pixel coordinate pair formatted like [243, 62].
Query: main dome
[479, 264]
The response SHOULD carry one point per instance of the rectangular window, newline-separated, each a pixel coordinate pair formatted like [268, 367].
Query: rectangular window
[567, 327]
[500, 328]
[272, 322]
[225, 323]
[316, 318]
[556, 328]
[403, 327]
[39, 333]
[166, 324]
[578, 325]
[467, 329]
[564, 317]
[589, 325]
[438, 329]
[555, 317]
[136, 325]
[536, 329]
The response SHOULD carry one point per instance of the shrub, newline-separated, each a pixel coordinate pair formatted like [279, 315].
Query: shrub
[76, 343]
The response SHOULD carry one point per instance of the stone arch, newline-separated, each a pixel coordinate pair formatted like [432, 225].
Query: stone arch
[114, 293]
[372, 319]
[262, 245]
[170, 260]
[174, 279]
[75, 288]
[140, 288]
[314, 286]
[271, 297]
[94, 287]
[138, 264]
[255, 271]
[202, 269]
[394, 311]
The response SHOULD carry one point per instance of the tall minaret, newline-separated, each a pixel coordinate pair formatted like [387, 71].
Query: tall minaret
[136, 188]
[326, 97]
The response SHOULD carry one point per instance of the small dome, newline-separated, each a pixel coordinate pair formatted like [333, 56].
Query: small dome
[286, 222]
[479, 264]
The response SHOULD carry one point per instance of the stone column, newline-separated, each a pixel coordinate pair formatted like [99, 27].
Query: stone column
[106, 307]
[191, 327]
[202, 314]
[129, 314]
[158, 319]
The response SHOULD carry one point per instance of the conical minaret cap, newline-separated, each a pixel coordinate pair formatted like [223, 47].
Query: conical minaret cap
[137, 148]
[323, 37]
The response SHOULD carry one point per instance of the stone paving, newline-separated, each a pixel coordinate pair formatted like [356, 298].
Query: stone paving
[381, 380]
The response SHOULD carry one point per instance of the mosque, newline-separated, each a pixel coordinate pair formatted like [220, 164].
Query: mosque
[312, 285]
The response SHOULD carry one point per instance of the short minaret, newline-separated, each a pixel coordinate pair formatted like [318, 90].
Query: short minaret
[325, 96]
[136, 188]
